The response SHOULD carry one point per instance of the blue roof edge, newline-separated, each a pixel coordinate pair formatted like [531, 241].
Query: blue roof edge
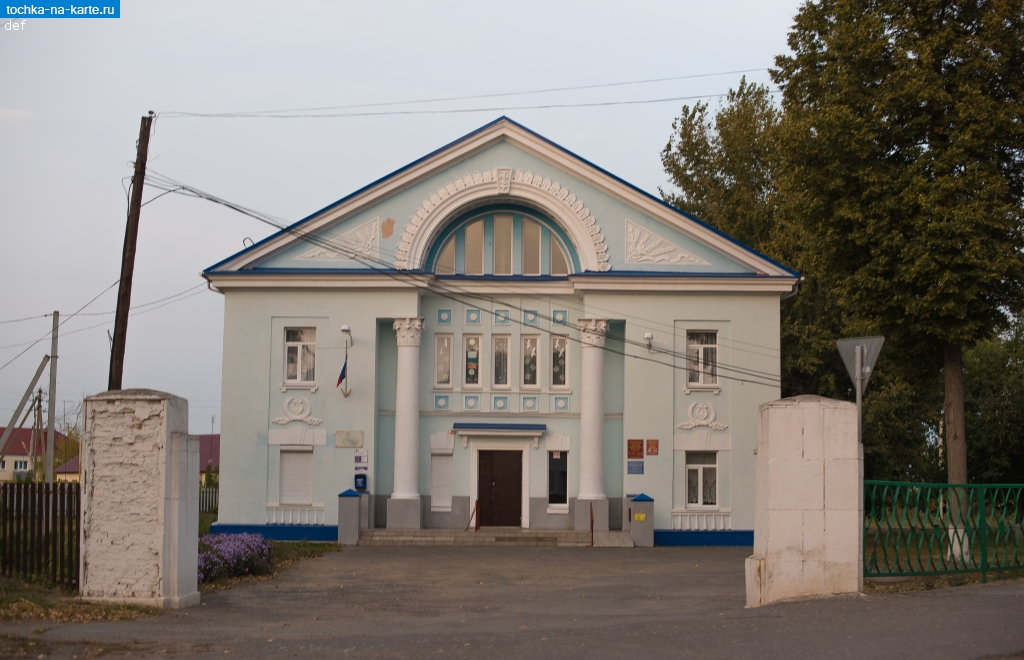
[497, 278]
[538, 136]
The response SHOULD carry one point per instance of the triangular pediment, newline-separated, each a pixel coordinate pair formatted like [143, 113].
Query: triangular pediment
[390, 224]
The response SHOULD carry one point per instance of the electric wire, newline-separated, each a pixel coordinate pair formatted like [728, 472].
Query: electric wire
[162, 182]
[174, 113]
[100, 325]
[454, 111]
[66, 319]
[448, 292]
[319, 241]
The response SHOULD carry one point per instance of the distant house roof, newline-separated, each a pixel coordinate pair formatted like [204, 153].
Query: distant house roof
[209, 451]
[21, 440]
[71, 467]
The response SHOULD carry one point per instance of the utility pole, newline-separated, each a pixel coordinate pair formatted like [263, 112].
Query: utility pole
[51, 410]
[131, 234]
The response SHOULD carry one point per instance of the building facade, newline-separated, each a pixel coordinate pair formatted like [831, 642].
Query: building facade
[500, 329]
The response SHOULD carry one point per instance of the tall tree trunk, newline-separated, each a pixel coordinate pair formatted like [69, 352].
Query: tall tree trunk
[956, 442]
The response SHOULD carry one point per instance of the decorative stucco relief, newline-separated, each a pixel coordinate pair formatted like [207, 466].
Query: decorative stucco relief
[642, 246]
[361, 241]
[501, 180]
[408, 331]
[701, 414]
[297, 410]
[593, 332]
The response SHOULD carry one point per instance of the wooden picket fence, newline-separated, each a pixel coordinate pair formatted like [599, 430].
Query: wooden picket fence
[39, 532]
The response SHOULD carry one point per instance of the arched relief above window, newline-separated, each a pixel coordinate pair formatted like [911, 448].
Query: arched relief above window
[534, 189]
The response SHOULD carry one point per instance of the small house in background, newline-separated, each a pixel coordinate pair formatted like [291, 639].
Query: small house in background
[69, 472]
[17, 454]
[209, 455]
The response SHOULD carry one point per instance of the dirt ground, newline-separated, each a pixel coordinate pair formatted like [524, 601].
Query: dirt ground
[520, 602]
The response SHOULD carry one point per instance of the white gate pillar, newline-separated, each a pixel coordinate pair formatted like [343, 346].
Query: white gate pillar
[592, 337]
[140, 500]
[404, 505]
[809, 505]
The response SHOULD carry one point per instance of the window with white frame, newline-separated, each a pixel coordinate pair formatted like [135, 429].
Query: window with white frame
[20, 465]
[297, 476]
[3, 464]
[443, 360]
[531, 354]
[559, 347]
[300, 355]
[472, 375]
[502, 344]
[559, 266]
[702, 358]
[701, 479]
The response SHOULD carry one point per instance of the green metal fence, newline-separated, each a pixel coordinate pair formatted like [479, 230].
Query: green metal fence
[931, 529]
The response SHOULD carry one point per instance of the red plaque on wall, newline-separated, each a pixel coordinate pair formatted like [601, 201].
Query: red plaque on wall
[634, 448]
[652, 447]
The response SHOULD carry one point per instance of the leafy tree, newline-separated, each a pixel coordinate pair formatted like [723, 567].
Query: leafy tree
[994, 384]
[903, 170]
[724, 168]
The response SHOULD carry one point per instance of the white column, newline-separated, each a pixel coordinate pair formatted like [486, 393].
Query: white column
[407, 410]
[592, 335]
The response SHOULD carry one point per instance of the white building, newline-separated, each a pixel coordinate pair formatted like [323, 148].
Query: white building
[521, 329]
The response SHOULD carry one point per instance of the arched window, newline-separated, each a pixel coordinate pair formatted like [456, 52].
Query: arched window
[504, 243]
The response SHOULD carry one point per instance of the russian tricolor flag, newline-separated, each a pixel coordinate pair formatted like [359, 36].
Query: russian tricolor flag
[344, 373]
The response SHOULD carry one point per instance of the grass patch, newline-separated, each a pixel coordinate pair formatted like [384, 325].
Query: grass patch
[205, 521]
[27, 601]
[929, 582]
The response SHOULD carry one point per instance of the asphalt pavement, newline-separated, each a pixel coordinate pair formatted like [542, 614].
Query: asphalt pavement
[523, 602]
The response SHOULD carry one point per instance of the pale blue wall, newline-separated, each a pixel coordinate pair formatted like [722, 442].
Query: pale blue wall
[609, 212]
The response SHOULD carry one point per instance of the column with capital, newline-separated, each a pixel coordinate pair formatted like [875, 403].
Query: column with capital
[592, 336]
[404, 505]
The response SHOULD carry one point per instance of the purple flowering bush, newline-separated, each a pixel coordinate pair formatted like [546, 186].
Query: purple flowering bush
[233, 555]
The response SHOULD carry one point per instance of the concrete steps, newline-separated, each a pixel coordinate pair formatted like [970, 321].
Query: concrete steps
[494, 536]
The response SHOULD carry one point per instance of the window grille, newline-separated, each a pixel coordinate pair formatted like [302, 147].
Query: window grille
[559, 345]
[501, 346]
[530, 355]
[443, 360]
[472, 360]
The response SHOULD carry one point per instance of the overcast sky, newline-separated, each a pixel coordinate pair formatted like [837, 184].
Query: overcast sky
[73, 91]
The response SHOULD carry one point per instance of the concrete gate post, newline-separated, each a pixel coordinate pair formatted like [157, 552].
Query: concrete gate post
[140, 500]
[809, 510]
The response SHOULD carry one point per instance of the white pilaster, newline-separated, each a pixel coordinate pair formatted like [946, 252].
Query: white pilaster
[592, 336]
[404, 506]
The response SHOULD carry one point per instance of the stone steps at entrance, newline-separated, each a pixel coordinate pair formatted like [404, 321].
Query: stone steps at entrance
[494, 536]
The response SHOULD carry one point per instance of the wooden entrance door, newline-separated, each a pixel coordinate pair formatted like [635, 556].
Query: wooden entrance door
[501, 488]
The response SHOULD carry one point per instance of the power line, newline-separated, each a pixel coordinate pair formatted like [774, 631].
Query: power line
[43, 316]
[27, 318]
[100, 325]
[66, 319]
[452, 111]
[252, 113]
[438, 287]
[165, 183]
